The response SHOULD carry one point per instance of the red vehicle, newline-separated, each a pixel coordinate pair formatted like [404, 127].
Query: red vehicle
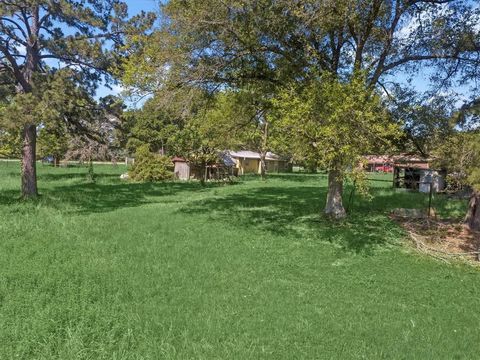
[384, 168]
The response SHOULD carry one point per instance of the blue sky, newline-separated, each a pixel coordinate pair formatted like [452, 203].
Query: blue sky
[135, 6]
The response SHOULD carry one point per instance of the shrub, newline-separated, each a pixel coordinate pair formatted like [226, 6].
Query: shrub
[150, 167]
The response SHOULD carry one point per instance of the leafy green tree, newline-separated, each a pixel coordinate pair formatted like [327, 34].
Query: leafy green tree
[335, 123]
[460, 154]
[241, 117]
[427, 119]
[272, 44]
[154, 125]
[201, 138]
[53, 142]
[149, 166]
[34, 34]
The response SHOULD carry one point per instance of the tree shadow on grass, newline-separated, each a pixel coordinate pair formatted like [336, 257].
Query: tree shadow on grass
[80, 176]
[296, 212]
[297, 177]
[85, 198]
[94, 198]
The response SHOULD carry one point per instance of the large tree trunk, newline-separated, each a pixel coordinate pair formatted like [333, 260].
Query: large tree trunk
[473, 214]
[334, 207]
[29, 165]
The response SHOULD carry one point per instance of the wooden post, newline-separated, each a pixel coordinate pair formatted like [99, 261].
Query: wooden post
[395, 176]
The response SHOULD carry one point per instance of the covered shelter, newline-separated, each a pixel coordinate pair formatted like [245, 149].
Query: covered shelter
[417, 173]
[186, 170]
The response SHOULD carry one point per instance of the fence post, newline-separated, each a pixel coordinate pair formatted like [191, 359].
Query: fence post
[430, 195]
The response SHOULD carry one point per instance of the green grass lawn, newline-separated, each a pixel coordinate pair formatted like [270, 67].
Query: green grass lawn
[117, 270]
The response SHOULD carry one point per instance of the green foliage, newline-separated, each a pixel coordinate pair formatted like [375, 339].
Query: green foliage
[81, 36]
[474, 177]
[247, 42]
[334, 123]
[460, 155]
[149, 166]
[10, 143]
[52, 142]
[56, 105]
[154, 125]
[427, 120]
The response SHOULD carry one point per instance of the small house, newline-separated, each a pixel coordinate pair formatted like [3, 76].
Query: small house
[248, 162]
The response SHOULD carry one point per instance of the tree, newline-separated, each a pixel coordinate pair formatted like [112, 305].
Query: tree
[36, 33]
[52, 141]
[9, 138]
[149, 166]
[335, 123]
[460, 154]
[97, 140]
[204, 132]
[275, 43]
[242, 117]
[154, 125]
[427, 119]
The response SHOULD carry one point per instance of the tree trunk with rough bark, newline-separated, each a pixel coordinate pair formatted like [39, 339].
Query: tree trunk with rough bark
[29, 165]
[473, 214]
[334, 207]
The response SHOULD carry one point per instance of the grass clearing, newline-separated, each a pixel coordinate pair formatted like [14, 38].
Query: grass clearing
[118, 270]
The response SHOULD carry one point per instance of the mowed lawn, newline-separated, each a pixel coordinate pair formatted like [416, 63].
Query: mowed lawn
[118, 270]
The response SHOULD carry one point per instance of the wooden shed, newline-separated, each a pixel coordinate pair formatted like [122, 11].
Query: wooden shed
[181, 168]
[219, 170]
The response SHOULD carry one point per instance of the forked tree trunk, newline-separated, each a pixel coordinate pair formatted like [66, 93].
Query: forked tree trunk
[29, 165]
[473, 214]
[334, 207]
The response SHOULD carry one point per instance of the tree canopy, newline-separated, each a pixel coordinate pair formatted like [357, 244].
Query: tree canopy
[273, 46]
[37, 38]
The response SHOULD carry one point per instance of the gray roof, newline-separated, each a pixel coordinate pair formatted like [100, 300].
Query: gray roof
[247, 154]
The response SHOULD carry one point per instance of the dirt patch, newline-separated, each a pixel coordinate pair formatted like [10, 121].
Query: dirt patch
[445, 239]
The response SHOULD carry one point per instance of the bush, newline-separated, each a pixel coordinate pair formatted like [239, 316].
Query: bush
[150, 167]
